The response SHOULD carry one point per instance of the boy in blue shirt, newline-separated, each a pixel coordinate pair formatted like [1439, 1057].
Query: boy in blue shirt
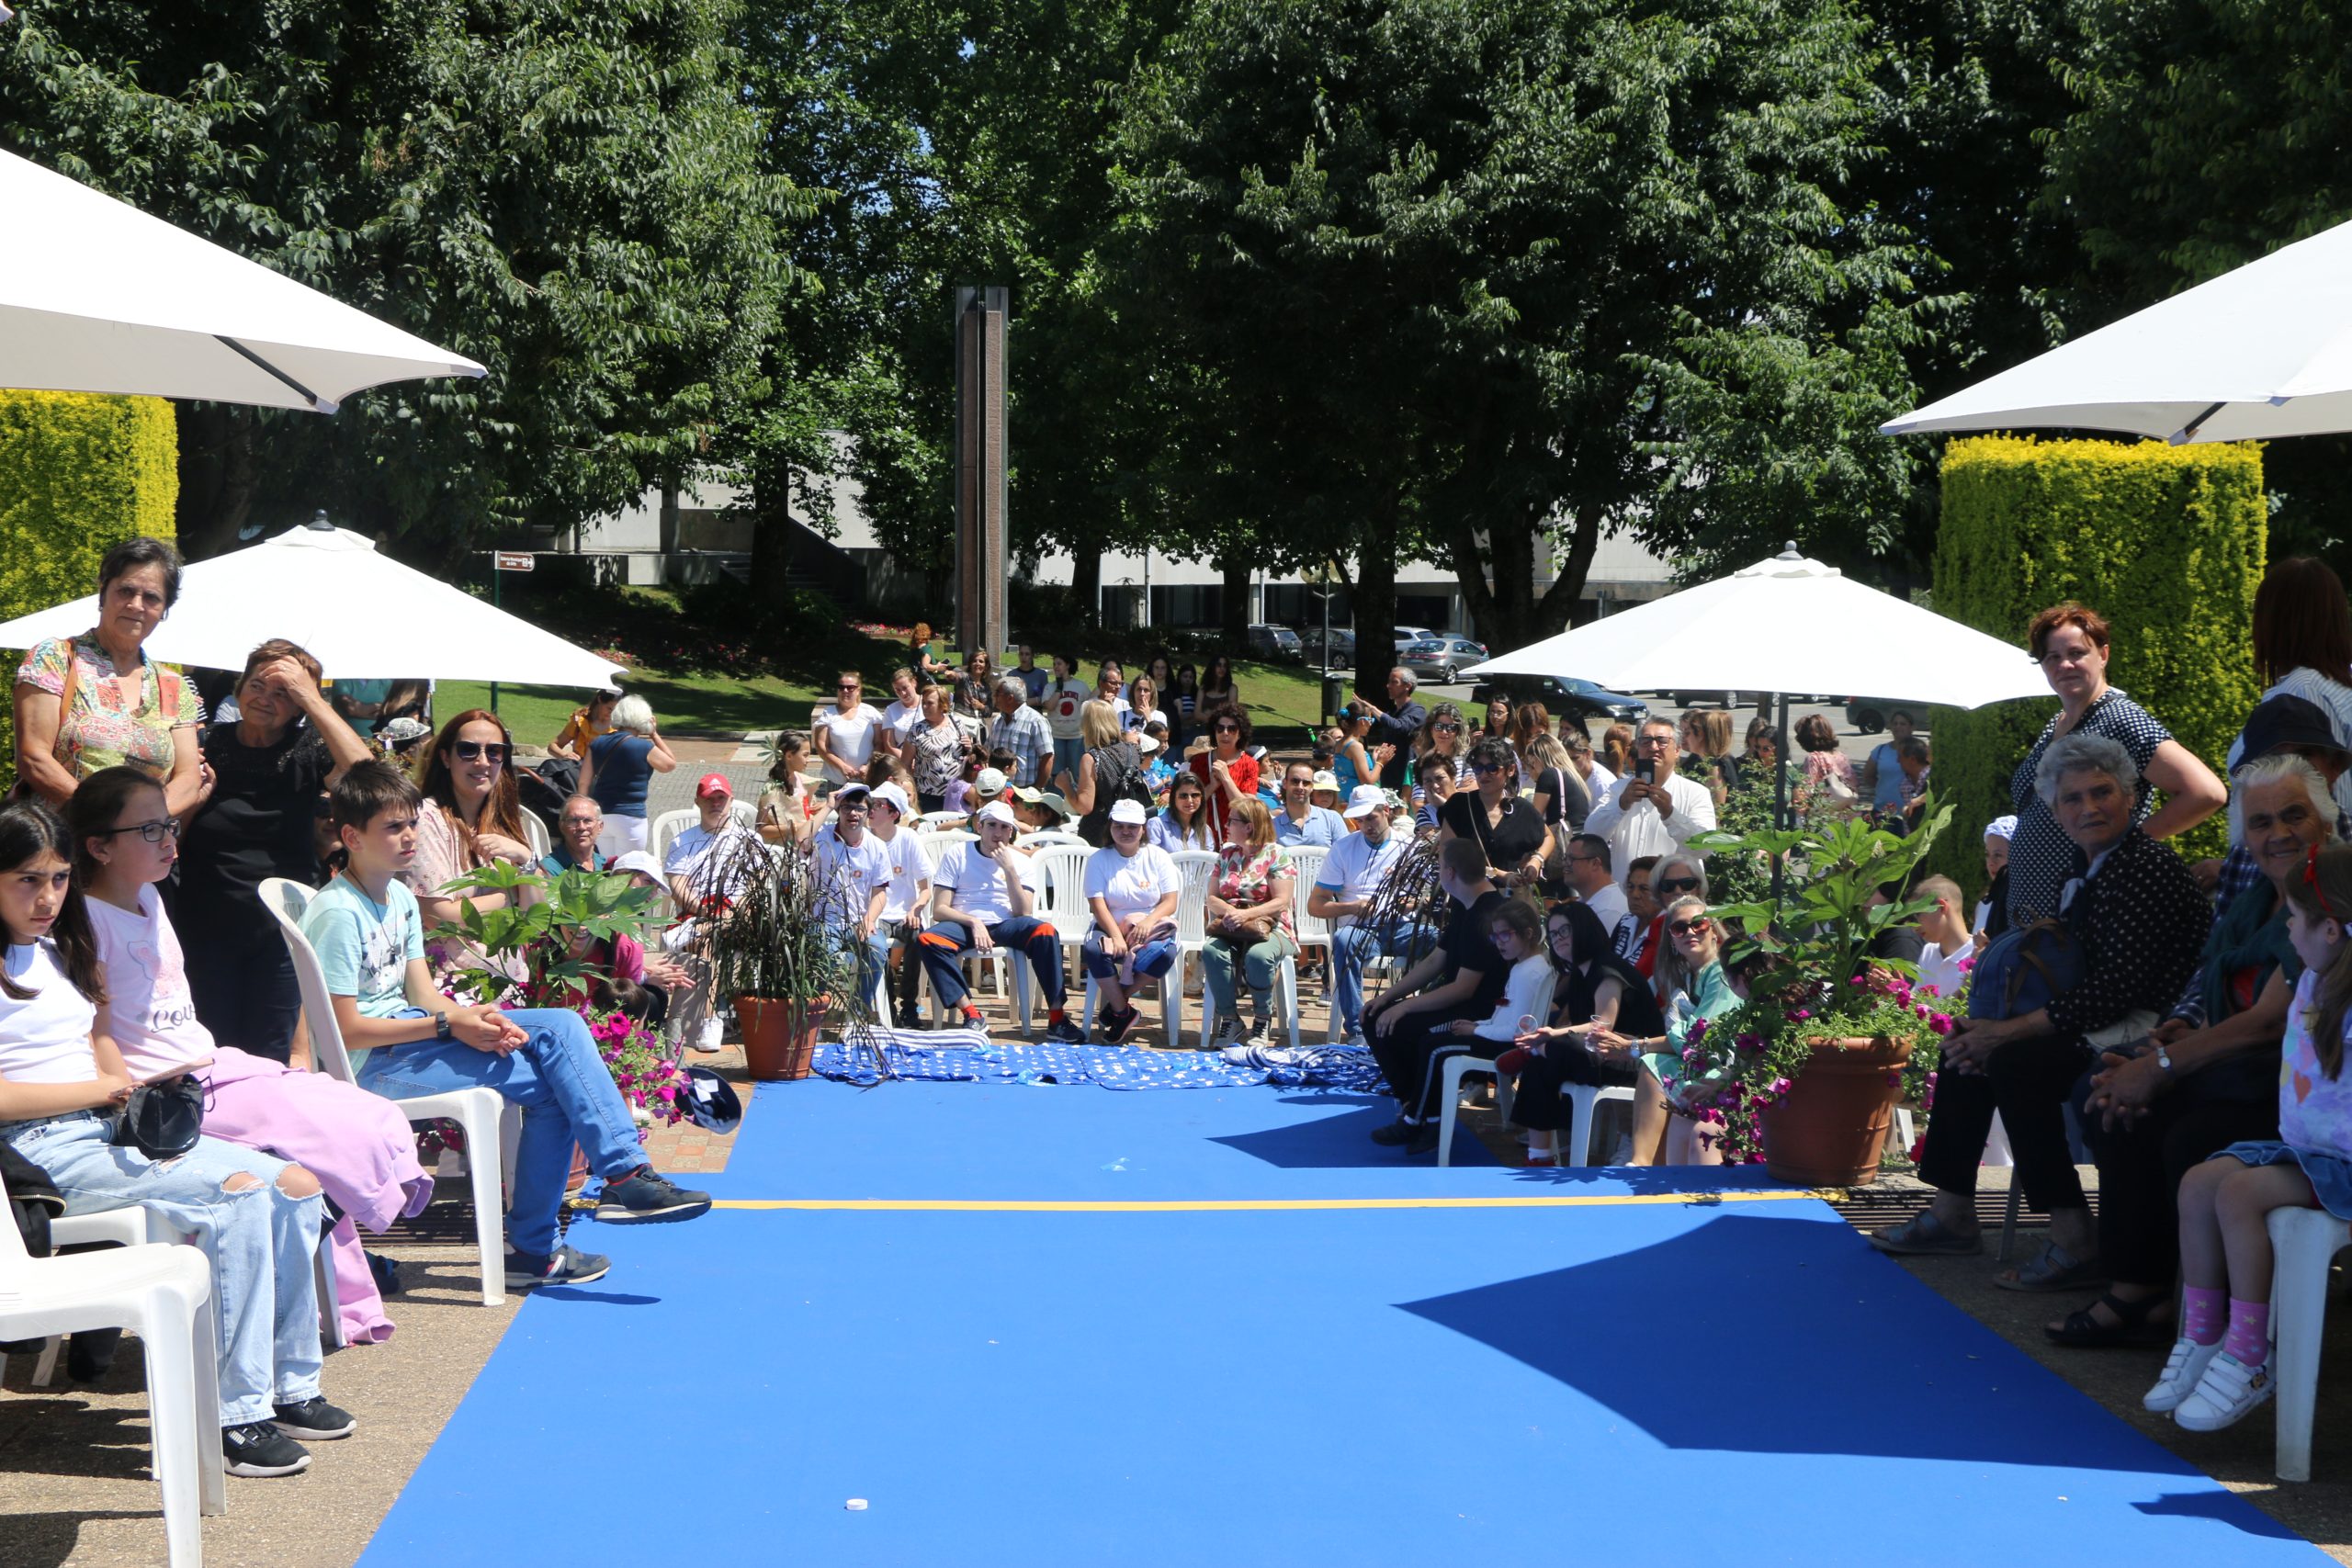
[406, 1039]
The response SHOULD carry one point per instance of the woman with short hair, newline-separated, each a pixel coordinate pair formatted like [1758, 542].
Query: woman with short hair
[97, 700]
[1510, 832]
[2070, 642]
[617, 771]
[1827, 791]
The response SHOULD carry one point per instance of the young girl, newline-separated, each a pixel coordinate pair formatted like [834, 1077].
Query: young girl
[257, 1217]
[788, 808]
[2220, 1368]
[358, 1144]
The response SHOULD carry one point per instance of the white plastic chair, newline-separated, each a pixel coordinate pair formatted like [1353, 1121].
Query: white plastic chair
[670, 824]
[492, 1128]
[1582, 1098]
[163, 1294]
[940, 821]
[1052, 839]
[535, 833]
[1061, 868]
[1198, 868]
[2305, 1242]
[1449, 1099]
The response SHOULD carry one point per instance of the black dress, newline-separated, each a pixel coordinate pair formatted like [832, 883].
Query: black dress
[1508, 843]
[1538, 1102]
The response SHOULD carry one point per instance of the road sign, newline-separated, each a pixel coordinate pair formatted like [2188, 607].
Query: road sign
[514, 560]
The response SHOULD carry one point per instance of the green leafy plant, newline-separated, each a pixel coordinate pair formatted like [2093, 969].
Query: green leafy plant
[541, 926]
[1815, 980]
[774, 938]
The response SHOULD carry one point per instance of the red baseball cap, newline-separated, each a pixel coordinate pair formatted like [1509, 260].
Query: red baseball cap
[714, 783]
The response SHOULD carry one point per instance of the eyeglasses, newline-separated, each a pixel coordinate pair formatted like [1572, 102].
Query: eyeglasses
[495, 751]
[1698, 925]
[1654, 740]
[153, 832]
[1562, 934]
[1482, 768]
[846, 807]
[1678, 885]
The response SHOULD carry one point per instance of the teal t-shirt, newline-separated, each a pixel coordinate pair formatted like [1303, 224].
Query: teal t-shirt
[363, 947]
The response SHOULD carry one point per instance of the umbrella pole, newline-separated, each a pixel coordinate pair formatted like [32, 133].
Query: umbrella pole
[497, 579]
[1780, 789]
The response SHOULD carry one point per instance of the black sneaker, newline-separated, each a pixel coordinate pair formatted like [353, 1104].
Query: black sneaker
[1116, 1025]
[314, 1421]
[1399, 1134]
[568, 1266]
[1062, 1032]
[1424, 1139]
[649, 1198]
[257, 1447]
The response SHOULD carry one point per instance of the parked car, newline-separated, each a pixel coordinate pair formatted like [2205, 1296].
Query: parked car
[1867, 715]
[1408, 636]
[1567, 695]
[1278, 643]
[1343, 646]
[1440, 658]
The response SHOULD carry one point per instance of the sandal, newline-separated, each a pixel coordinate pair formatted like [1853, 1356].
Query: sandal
[2082, 1331]
[1922, 1235]
[2053, 1269]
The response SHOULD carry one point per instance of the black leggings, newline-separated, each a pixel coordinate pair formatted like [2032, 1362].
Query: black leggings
[1539, 1104]
[244, 990]
[2028, 1083]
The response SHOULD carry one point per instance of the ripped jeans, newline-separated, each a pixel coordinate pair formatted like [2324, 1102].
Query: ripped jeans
[261, 1241]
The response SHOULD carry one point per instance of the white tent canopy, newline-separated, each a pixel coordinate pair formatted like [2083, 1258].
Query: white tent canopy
[2260, 352]
[95, 296]
[1785, 624]
[363, 615]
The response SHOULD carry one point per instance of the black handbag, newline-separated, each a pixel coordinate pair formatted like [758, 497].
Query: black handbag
[162, 1120]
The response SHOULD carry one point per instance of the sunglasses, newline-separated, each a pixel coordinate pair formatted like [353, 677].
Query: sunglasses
[1698, 926]
[1678, 885]
[153, 832]
[495, 752]
[1482, 768]
[1228, 729]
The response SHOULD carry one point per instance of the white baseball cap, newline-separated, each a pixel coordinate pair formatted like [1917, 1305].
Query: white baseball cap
[1130, 812]
[996, 811]
[897, 798]
[1147, 744]
[639, 861]
[988, 782]
[1365, 800]
[1325, 779]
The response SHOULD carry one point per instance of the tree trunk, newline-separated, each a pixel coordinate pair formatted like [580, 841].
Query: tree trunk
[219, 476]
[1237, 571]
[1085, 589]
[1376, 604]
[772, 527]
[1508, 615]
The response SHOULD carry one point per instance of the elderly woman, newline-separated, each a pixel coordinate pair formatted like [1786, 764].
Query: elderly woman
[1661, 880]
[1691, 977]
[1249, 924]
[618, 770]
[1597, 994]
[937, 748]
[2208, 1077]
[96, 700]
[270, 767]
[1510, 832]
[2141, 922]
[2070, 642]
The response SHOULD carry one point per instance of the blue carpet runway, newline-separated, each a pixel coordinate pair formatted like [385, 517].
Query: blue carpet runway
[1063, 1325]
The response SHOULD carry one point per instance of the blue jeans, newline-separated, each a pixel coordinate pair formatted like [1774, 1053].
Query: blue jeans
[1351, 946]
[1152, 960]
[1067, 753]
[566, 1096]
[872, 957]
[261, 1242]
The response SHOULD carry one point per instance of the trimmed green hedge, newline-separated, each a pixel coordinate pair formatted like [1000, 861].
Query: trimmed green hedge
[79, 472]
[2166, 542]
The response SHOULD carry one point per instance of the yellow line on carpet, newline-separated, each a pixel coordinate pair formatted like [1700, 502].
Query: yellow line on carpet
[1251, 1205]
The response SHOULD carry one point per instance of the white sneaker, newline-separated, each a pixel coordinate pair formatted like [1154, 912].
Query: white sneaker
[1262, 1033]
[2183, 1368]
[711, 1039]
[2225, 1395]
[1228, 1032]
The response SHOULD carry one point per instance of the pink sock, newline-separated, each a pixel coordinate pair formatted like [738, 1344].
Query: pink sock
[2249, 1339]
[2204, 1314]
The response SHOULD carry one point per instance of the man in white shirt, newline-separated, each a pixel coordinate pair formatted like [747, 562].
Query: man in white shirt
[909, 904]
[1589, 877]
[708, 864]
[846, 730]
[855, 869]
[1345, 895]
[1651, 811]
[983, 895]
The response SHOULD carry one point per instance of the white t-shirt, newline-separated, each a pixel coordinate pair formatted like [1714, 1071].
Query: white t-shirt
[848, 736]
[1135, 720]
[1609, 903]
[1938, 969]
[1526, 978]
[151, 1013]
[862, 867]
[976, 883]
[910, 869]
[46, 1037]
[1356, 867]
[1132, 885]
[1601, 781]
[713, 864]
[900, 718]
[1062, 703]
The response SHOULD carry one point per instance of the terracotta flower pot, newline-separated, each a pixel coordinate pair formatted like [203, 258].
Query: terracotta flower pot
[1829, 1129]
[779, 1035]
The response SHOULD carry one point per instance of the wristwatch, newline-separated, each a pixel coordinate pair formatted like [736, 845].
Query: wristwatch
[441, 1030]
[2164, 1060]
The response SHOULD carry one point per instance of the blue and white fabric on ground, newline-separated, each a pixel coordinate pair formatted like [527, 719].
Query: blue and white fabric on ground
[962, 1055]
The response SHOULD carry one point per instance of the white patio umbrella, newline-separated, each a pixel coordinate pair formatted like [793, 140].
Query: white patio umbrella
[2260, 352]
[364, 615]
[1785, 624]
[97, 296]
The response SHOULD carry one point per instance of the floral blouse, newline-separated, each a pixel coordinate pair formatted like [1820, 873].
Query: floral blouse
[117, 717]
[1243, 878]
[938, 753]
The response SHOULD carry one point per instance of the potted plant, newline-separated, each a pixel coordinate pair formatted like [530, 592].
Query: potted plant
[774, 954]
[1806, 1072]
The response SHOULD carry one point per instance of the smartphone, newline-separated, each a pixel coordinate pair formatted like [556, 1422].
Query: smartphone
[1645, 771]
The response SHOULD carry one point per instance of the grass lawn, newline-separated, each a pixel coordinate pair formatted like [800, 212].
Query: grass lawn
[1284, 701]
